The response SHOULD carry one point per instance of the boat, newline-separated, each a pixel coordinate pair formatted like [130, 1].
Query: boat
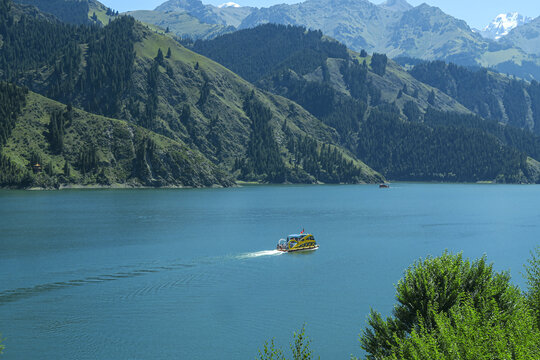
[384, 186]
[297, 242]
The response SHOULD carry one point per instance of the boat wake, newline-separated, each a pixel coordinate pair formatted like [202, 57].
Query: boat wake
[11, 295]
[260, 253]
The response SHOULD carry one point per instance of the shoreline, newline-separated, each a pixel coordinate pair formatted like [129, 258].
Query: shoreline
[237, 184]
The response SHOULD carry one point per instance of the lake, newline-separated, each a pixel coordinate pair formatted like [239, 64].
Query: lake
[191, 273]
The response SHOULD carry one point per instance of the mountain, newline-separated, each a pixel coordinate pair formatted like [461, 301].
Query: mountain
[503, 24]
[398, 125]
[181, 24]
[526, 37]
[223, 15]
[423, 32]
[359, 24]
[148, 80]
[229, 4]
[318, 112]
[396, 5]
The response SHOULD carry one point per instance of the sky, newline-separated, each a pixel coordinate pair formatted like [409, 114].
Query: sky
[477, 13]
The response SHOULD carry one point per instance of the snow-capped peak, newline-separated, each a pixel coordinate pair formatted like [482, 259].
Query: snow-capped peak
[503, 23]
[229, 4]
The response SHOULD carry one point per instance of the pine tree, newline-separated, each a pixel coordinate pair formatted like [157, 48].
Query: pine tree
[67, 170]
[49, 169]
[431, 98]
[378, 63]
[159, 58]
[168, 56]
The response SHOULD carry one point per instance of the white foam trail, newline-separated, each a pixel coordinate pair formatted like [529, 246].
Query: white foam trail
[261, 253]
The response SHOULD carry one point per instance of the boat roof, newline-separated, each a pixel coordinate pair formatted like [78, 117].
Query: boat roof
[299, 235]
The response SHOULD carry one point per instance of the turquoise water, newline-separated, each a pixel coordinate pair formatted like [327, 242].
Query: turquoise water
[190, 274]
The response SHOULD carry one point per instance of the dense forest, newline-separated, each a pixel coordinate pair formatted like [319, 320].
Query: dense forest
[12, 100]
[309, 161]
[31, 43]
[263, 158]
[71, 12]
[487, 94]
[48, 56]
[285, 47]
[441, 151]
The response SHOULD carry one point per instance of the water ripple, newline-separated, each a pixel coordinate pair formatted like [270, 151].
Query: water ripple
[12, 295]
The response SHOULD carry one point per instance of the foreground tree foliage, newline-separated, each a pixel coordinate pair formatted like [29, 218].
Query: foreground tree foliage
[532, 274]
[450, 308]
[300, 348]
[466, 332]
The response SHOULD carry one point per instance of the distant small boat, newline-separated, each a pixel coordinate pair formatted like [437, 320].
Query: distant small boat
[297, 242]
[384, 186]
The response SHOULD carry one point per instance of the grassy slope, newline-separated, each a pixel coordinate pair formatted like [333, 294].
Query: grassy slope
[116, 142]
[396, 77]
[226, 98]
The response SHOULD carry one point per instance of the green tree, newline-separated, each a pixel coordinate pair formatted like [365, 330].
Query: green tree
[49, 169]
[469, 333]
[300, 348]
[435, 286]
[168, 56]
[411, 111]
[431, 98]
[57, 130]
[270, 352]
[378, 63]
[67, 170]
[532, 275]
[159, 57]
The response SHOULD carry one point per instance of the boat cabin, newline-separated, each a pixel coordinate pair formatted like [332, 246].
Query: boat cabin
[298, 237]
[297, 242]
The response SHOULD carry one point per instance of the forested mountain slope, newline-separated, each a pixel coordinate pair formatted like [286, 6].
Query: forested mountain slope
[291, 50]
[398, 125]
[74, 11]
[129, 72]
[488, 94]
[75, 147]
